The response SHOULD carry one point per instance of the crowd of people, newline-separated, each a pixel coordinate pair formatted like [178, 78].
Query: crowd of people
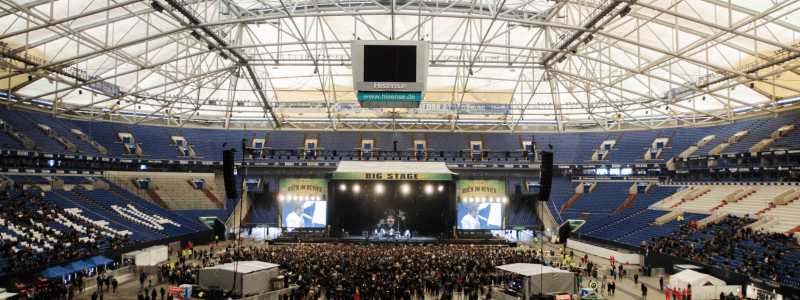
[31, 215]
[387, 271]
[720, 240]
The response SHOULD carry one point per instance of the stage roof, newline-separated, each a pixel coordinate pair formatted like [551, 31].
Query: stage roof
[391, 168]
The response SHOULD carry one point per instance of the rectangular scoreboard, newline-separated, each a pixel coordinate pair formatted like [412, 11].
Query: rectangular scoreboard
[390, 74]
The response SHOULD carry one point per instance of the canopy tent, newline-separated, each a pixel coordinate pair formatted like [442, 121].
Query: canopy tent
[56, 272]
[391, 170]
[683, 279]
[7, 295]
[252, 277]
[547, 280]
[98, 261]
[78, 266]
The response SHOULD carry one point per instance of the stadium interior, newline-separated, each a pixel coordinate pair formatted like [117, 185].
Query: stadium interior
[498, 141]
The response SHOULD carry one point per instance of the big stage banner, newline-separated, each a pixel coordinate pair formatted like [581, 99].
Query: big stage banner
[302, 187]
[392, 176]
[478, 189]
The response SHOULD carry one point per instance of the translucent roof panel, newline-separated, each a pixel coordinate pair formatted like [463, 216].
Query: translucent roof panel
[593, 62]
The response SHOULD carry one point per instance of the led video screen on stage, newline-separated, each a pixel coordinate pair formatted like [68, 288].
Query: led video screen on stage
[303, 203]
[480, 204]
[390, 208]
[304, 214]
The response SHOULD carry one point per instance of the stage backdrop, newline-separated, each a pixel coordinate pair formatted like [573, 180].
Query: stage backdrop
[304, 203]
[479, 204]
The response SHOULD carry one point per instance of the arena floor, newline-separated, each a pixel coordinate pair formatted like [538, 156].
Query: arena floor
[626, 289]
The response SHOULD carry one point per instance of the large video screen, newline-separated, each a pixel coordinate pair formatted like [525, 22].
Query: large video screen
[304, 214]
[480, 204]
[480, 216]
[304, 203]
[390, 63]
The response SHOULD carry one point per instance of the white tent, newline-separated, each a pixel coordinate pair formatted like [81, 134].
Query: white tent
[683, 279]
[252, 277]
[546, 280]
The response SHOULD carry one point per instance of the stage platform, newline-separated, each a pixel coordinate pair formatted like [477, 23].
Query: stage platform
[359, 239]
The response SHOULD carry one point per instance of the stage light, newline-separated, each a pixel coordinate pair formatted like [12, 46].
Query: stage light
[294, 197]
[491, 199]
[356, 188]
[307, 198]
[343, 187]
[281, 197]
[483, 199]
[429, 189]
[318, 198]
[379, 188]
[441, 188]
[505, 199]
[404, 189]
[464, 200]
[471, 199]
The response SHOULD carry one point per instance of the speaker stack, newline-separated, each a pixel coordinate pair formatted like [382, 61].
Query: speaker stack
[227, 173]
[547, 176]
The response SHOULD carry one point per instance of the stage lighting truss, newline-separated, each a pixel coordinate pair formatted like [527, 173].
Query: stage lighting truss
[298, 198]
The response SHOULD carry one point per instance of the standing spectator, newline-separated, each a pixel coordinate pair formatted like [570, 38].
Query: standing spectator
[114, 284]
[644, 291]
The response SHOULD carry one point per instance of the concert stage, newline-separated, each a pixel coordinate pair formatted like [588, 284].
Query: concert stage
[358, 239]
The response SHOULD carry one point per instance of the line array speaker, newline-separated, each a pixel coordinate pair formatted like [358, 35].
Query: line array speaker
[547, 176]
[227, 173]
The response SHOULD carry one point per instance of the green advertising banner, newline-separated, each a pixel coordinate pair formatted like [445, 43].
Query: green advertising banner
[208, 220]
[392, 176]
[480, 189]
[304, 187]
[575, 224]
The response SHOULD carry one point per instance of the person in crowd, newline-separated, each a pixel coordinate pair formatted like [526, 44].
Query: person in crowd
[29, 213]
[644, 291]
[717, 243]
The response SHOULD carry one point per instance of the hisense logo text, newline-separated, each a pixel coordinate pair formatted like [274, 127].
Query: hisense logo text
[382, 85]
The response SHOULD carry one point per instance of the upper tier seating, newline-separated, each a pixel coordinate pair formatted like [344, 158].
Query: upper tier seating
[570, 148]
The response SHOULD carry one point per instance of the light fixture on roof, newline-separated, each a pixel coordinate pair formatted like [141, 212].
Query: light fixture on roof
[625, 11]
[157, 6]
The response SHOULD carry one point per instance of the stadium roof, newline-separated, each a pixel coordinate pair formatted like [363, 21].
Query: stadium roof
[550, 65]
